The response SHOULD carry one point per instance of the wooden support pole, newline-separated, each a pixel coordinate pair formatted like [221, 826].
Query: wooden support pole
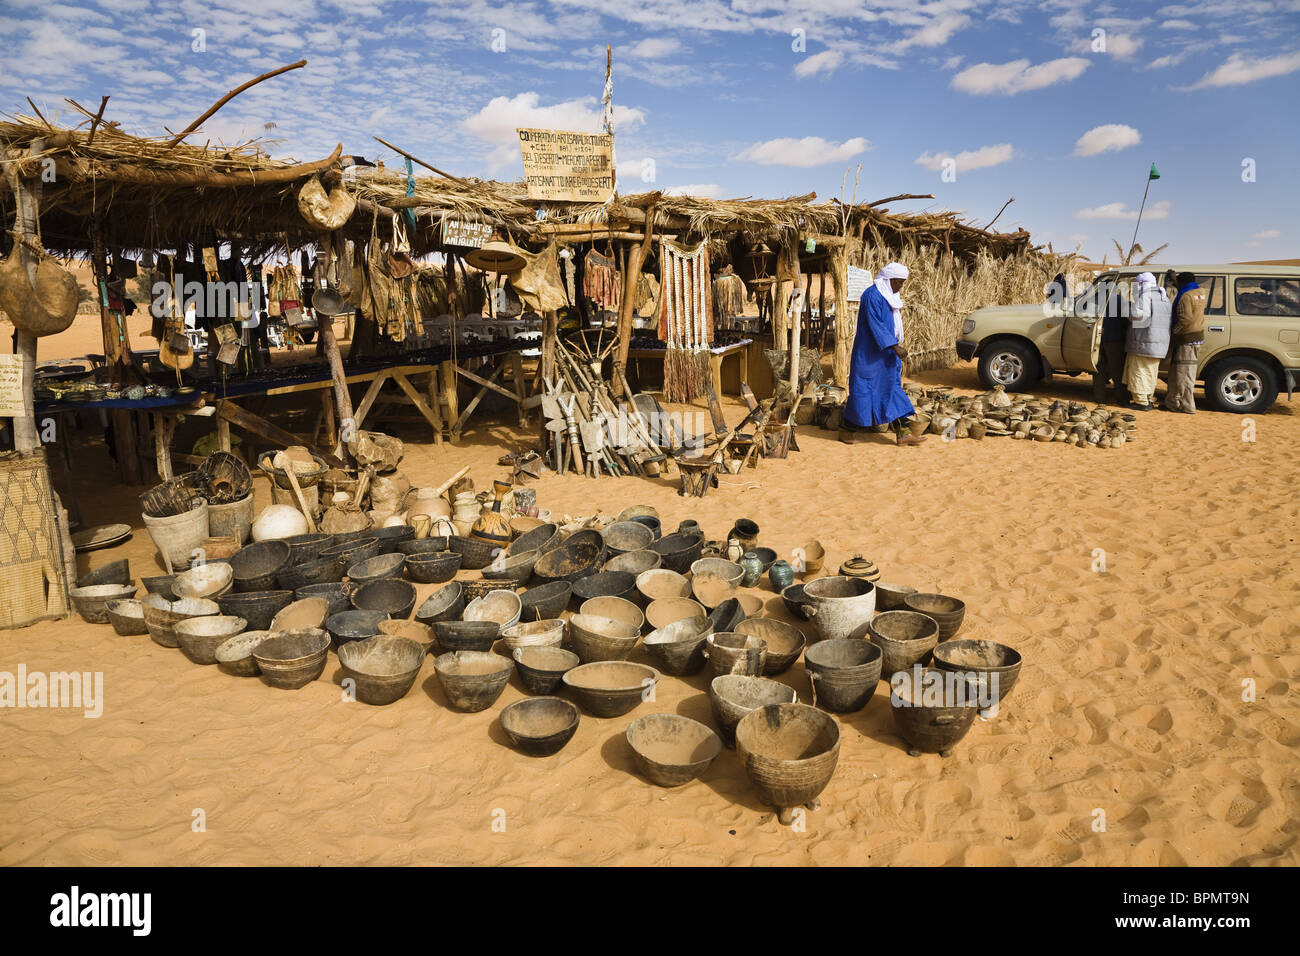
[27, 213]
[431, 389]
[448, 379]
[260, 426]
[342, 399]
[844, 322]
[635, 260]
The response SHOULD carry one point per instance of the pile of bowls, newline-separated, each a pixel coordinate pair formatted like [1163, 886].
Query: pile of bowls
[672, 750]
[543, 538]
[474, 554]
[351, 551]
[161, 616]
[602, 638]
[789, 752]
[624, 536]
[292, 659]
[540, 726]
[92, 600]
[620, 584]
[315, 570]
[338, 594]
[382, 668]
[548, 633]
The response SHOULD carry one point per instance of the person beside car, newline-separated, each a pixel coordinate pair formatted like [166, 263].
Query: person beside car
[1109, 380]
[1147, 341]
[1185, 339]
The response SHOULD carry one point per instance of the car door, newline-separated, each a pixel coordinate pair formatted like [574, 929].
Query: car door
[1081, 330]
[1218, 320]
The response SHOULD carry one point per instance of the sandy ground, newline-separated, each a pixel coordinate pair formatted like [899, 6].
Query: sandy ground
[1129, 708]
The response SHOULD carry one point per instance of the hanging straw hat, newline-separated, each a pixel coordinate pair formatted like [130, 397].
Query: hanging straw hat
[42, 308]
[325, 212]
[496, 256]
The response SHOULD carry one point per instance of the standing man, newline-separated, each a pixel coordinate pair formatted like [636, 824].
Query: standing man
[876, 395]
[1186, 337]
[1147, 341]
[1109, 380]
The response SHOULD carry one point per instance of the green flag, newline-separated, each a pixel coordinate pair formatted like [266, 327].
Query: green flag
[1154, 174]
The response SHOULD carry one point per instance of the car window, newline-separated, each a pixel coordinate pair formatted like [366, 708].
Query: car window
[1215, 294]
[1263, 295]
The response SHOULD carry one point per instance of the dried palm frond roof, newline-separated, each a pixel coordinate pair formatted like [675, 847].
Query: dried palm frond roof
[138, 192]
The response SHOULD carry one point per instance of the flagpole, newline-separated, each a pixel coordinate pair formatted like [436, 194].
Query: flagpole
[1139, 219]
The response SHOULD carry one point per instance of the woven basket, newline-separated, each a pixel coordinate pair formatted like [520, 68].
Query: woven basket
[178, 536]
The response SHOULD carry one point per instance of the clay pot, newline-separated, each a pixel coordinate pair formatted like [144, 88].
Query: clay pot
[789, 752]
[844, 673]
[905, 638]
[839, 606]
[672, 750]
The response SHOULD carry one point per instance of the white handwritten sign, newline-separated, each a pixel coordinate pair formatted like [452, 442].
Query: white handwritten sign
[470, 235]
[567, 166]
[858, 282]
[11, 386]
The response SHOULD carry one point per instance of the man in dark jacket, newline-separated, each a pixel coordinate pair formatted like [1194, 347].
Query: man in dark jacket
[1186, 337]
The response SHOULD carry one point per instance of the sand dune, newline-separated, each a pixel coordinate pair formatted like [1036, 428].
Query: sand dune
[1129, 705]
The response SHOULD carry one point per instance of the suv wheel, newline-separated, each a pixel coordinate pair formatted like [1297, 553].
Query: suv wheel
[1013, 365]
[1243, 385]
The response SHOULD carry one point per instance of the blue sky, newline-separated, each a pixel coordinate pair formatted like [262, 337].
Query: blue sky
[746, 97]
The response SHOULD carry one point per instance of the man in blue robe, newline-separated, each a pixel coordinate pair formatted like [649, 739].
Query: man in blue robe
[876, 395]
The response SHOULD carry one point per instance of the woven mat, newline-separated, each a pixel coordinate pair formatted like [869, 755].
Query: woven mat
[31, 556]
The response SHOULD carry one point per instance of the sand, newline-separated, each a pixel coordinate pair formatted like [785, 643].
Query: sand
[1126, 740]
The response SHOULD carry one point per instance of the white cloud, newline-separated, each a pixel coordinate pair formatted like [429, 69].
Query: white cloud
[1112, 136]
[652, 48]
[1267, 234]
[952, 62]
[1238, 70]
[935, 33]
[824, 62]
[1123, 45]
[1173, 59]
[809, 151]
[980, 158]
[1018, 76]
[698, 190]
[497, 122]
[1179, 25]
[1119, 210]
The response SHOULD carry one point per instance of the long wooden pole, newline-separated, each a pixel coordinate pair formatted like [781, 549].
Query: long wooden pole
[635, 260]
[27, 201]
[1129, 255]
[230, 96]
[418, 161]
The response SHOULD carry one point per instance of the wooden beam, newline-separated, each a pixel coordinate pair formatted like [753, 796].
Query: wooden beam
[490, 383]
[478, 397]
[418, 401]
[82, 170]
[368, 400]
[402, 152]
[273, 433]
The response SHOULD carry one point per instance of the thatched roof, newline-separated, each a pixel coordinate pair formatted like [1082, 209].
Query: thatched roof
[153, 192]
